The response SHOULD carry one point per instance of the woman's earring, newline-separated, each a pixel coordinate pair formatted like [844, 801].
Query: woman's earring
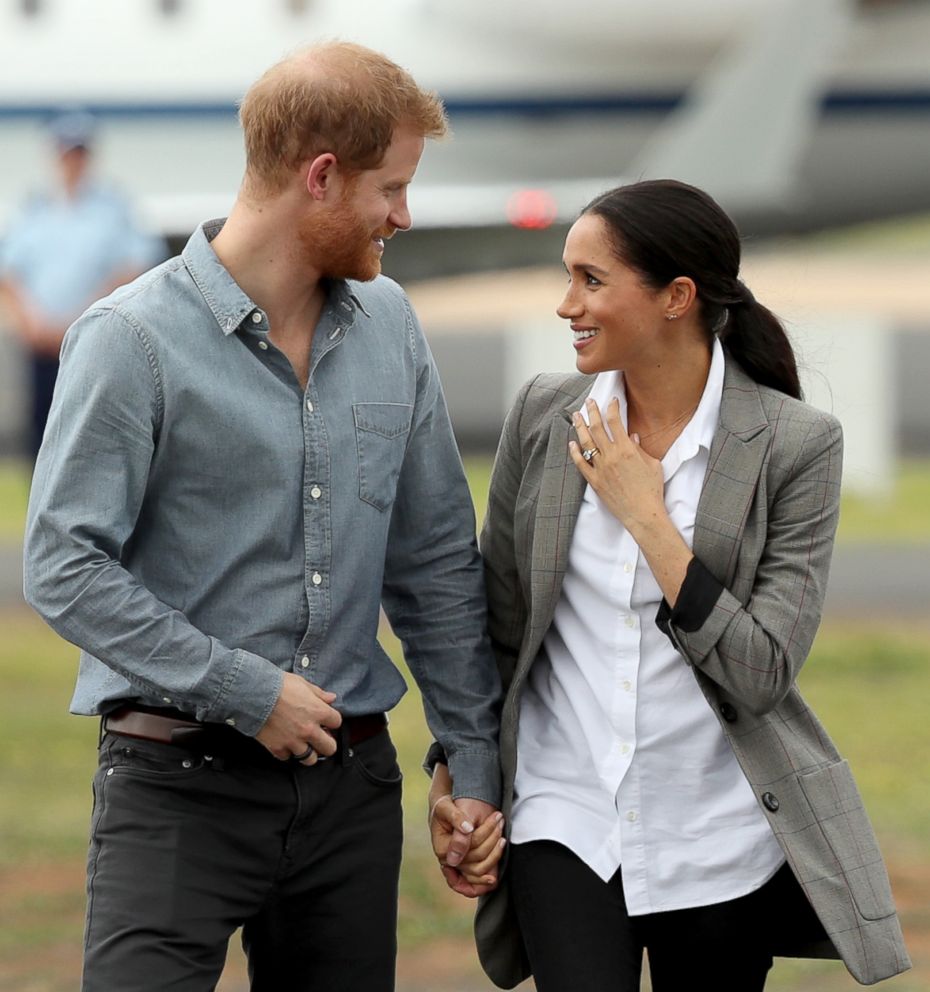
[671, 316]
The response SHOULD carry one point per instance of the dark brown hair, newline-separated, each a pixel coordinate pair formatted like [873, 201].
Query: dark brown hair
[665, 229]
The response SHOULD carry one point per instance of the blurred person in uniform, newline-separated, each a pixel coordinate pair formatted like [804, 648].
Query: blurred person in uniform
[68, 246]
[248, 453]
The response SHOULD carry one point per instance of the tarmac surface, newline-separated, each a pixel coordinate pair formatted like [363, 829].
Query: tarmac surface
[866, 579]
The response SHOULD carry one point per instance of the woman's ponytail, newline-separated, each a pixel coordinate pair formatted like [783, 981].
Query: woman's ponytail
[755, 337]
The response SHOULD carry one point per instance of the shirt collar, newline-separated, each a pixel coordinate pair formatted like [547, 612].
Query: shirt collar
[697, 433]
[227, 302]
[700, 429]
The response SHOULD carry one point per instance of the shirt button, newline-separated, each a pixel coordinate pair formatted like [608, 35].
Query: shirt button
[310, 405]
[231, 722]
[624, 748]
[257, 317]
[305, 662]
[630, 621]
[263, 345]
[627, 684]
[316, 492]
[627, 567]
[632, 816]
[316, 578]
[166, 699]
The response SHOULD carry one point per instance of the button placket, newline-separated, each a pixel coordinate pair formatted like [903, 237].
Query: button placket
[317, 529]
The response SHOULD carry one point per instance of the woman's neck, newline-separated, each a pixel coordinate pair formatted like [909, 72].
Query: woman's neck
[662, 399]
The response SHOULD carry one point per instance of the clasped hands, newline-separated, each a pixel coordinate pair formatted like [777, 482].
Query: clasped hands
[467, 837]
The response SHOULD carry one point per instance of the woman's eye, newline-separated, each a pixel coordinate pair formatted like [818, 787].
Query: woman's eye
[592, 280]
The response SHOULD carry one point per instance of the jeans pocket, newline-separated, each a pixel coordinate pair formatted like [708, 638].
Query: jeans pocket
[376, 761]
[153, 759]
[381, 431]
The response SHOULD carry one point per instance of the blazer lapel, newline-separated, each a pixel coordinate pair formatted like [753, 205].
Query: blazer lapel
[737, 459]
[561, 492]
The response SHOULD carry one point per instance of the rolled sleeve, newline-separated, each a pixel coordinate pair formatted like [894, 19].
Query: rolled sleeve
[697, 598]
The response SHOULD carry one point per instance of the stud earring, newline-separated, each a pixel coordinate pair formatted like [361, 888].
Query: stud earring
[671, 316]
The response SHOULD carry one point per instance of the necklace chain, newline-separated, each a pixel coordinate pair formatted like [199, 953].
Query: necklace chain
[678, 419]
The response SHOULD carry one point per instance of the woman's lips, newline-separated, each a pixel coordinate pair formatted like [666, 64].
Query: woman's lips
[583, 336]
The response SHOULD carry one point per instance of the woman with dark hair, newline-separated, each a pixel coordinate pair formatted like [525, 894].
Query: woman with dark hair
[657, 544]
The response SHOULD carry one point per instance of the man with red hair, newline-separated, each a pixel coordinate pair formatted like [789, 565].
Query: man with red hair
[249, 453]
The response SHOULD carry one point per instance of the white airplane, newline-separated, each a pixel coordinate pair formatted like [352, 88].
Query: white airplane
[794, 113]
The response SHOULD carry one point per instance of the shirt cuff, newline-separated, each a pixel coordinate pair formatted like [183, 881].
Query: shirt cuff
[248, 695]
[436, 755]
[476, 775]
[696, 601]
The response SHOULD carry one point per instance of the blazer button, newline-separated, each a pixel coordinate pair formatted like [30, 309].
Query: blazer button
[770, 802]
[728, 712]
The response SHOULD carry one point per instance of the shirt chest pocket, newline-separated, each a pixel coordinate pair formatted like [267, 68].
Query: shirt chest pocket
[381, 431]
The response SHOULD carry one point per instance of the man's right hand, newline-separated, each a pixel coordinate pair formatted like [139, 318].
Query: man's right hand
[302, 717]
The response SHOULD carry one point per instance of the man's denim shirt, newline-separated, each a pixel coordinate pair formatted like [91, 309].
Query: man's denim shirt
[200, 525]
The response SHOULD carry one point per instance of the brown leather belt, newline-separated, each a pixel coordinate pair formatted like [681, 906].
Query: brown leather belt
[172, 727]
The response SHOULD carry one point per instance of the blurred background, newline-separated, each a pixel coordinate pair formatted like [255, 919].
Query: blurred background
[809, 120]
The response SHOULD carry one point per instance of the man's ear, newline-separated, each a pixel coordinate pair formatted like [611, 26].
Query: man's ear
[321, 175]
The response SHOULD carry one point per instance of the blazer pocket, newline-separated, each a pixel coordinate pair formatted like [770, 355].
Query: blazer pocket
[381, 431]
[837, 807]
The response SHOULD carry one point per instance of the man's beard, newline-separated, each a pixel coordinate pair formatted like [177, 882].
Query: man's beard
[339, 244]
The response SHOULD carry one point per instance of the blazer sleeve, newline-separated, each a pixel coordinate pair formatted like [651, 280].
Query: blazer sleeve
[755, 650]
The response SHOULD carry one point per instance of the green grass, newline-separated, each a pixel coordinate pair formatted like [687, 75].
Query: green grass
[902, 519]
[14, 492]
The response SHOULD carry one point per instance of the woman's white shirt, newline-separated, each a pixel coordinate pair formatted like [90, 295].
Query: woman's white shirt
[620, 758]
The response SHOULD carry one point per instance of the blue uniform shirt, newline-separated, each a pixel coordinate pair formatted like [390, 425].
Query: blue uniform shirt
[199, 524]
[64, 252]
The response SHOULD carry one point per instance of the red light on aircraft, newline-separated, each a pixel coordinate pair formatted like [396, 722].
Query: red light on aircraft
[532, 209]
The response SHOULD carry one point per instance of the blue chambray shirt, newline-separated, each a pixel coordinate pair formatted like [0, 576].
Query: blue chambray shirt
[199, 525]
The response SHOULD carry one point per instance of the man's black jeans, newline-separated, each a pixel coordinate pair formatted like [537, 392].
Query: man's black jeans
[188, 845]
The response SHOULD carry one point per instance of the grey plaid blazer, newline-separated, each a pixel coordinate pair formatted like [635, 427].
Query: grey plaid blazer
[764, 528]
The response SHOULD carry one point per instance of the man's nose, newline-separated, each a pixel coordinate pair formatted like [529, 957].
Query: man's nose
[400, 216]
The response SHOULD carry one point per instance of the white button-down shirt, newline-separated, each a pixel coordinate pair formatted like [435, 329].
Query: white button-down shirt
[620, 757]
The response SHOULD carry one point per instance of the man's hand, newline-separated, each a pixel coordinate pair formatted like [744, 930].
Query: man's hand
[302, 718]
[467, 838]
